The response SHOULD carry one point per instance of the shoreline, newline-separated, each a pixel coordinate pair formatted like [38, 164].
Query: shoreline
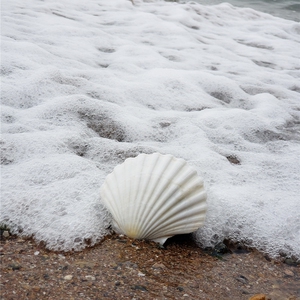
[123, 268]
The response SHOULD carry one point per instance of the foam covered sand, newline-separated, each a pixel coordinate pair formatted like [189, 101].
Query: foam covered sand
[87, 84]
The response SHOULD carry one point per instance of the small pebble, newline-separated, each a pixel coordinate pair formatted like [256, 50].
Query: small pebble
[5, 234]
[90, 277]
[242, 279]
[141, 274]
[258, 297]
[139, 287]
[36, 252]
[291, 262]
[158, 266]
[68, 277]
[130, 265]
[14, 266]
[288, 273]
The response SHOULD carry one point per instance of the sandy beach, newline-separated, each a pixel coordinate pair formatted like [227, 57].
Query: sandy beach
[122, 268]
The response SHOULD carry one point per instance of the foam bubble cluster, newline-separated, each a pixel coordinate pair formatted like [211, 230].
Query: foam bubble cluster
[87, 84]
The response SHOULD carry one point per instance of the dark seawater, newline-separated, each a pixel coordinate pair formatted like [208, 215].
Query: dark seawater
[288, 9]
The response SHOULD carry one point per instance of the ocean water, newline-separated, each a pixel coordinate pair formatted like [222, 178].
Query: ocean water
[288, 9]
[87, 84]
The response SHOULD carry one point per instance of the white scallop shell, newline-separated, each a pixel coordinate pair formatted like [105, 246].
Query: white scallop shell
[154, 197]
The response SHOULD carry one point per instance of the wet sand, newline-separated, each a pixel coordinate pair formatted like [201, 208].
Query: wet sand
[122, 268]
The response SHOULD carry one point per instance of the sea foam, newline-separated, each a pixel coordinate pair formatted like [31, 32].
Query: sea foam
[87, 84]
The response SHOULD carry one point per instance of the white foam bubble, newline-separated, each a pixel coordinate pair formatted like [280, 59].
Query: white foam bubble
[84, 86]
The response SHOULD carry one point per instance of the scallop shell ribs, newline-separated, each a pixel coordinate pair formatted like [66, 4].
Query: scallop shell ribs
[154, 197]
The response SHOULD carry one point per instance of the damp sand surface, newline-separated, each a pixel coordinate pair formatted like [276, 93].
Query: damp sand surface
[122, 268]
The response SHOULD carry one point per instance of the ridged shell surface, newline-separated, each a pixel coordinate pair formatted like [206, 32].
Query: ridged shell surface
[154, 197]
